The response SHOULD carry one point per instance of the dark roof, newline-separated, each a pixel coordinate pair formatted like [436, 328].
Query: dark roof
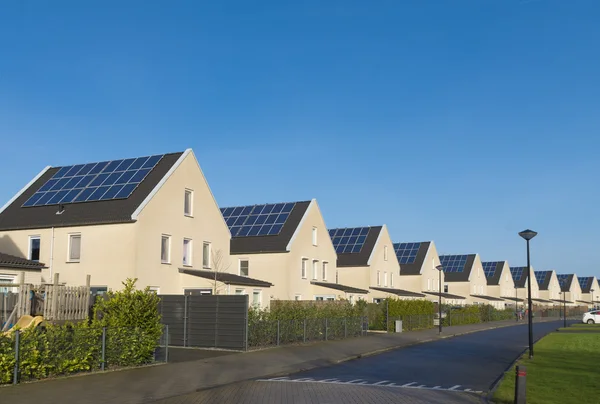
[445, 295]
[226, 278]
[417, 265]
[565, 286]
[492, 298]
[495, 278]
[546, 281]
[522, 281]
[399, 292]
[460, 276]
[85, 213]
[584, 301]
[360, 259]
[588, 286]
[337, 286]
[11, 261]
[271, 244]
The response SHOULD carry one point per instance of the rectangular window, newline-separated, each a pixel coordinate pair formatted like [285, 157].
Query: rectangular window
[188, 202]
[392, 279]
[385, 279]
[240, 291]
[445, 288]
[385, 253]
[165, 249]
[304, 263]
[256, 297]
[324, 271]
[244, 267]
[187, 252]
[315, 269]
[298, 297]
[154, 289]
[74, 247]
[325, 297]
[337, 276]
[314, 235]
[7, 279]
[428, 284]
[378, 278]
[34, 248]
[206, 255]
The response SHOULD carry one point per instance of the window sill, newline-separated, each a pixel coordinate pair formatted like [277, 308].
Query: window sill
[73, 261]
[187, 265]
[192, 216]
[207, 268]
[165, 263]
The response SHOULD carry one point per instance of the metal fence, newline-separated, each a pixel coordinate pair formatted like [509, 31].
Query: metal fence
[266, 333]
[48, 352]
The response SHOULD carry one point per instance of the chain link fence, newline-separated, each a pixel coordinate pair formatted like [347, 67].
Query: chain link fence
[56, 351]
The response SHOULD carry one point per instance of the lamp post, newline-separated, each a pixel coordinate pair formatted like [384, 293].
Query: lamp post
[516, 303]
[527, 235]
[564, 308]
[440, 269]
[592, 290]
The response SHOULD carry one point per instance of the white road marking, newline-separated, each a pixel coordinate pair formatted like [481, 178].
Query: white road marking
[355, 380]
[437, 387]
[328, 380]
[381, 382]
[408, 384]
[280, 378]
[454, 387]
[304, 379]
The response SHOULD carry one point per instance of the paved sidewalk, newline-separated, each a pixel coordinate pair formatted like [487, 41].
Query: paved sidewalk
[147, 384]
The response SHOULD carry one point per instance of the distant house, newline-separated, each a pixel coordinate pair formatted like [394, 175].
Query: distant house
[549, 287]
[11, 267]
[153, 218]
[366, 260]
[569, 286]
[464, 277]
[500, 283]
[288, 244]
[419, 276]
[519, 275]
[590, 290]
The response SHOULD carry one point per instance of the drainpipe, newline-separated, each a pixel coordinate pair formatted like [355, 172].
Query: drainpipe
[51, 253]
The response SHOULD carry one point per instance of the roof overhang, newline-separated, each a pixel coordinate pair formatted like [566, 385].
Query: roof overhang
[343, 288]
[226, 278]
[491, 298]
[561, 301]
[514, 299]
[398, 292]
[541, 300]
[583, 301]
[445, 295]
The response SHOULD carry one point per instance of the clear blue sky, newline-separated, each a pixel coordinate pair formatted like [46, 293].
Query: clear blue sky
[458, 121]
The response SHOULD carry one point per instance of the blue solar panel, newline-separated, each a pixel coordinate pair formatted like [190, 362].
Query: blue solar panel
[517, 272]
[257, 220]
[563, 280]
[406, 252]
[540, 276]
[349, 240]
[94, 181]
[584, 282]
[489, 268]
[453, 263]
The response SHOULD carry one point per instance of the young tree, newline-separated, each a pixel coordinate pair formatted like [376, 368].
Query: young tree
[219, 265]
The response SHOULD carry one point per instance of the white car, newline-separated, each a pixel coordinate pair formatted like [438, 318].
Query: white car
[592, 317]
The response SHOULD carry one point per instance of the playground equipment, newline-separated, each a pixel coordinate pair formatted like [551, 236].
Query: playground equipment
[24, 323]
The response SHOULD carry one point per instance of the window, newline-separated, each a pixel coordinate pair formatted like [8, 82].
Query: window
[314, 235]
[256, 297]
[244, 267]
[34, 248]
[377, 300]
[428, 284]
[315, 269]
[154, 289]
[188, 202]
[298, 297]
[240, 291]
[385, 253]
[187, 252]
[324, 271]
[324, 297]
[385, 279]
[304, 261]
[206, 255]
[445, 288]
[165, 249]
[6, 279]
[337, 276]
[392, 279]
[378, 278]
[197, 292]
[74, 247]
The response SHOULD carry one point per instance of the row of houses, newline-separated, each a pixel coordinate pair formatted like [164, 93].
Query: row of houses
[155, 218]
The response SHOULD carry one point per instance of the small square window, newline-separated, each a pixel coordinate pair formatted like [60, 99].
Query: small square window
[206, 255]
[298, 297]
[244, 267]
[34, 248]
[187, 252]
[74, 247]
[188, 202]
[445, 288]
[165, 249]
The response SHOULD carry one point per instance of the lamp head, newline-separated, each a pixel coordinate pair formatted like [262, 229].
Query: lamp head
[528, 234]
[439, 268]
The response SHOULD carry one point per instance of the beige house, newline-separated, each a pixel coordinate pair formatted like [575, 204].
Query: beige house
[519, 275]
[288, 244]
[570, 288]
[153, 218]
[464, 276]
[549, 288]
[12, 268]
[366, 260]
[590, 291]
[500, 284]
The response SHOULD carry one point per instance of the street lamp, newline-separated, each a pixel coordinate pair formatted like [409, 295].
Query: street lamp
[528, 235]
[592, 290]
[440, 268]
[564, 308]
[516, 303]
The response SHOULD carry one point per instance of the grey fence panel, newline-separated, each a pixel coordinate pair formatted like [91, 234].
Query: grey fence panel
[173, 312]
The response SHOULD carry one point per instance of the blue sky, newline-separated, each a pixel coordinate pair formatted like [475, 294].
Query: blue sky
[461, 121]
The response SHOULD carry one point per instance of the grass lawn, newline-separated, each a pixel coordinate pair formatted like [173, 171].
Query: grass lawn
[580, 329]
[582, 325]
[564, 370]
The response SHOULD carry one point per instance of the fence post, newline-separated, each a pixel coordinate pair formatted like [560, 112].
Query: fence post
[167, 343]
[16, 369]
[345, 329]
[304, 339]
[520, 384]
[278, 333]
[387, 315]
[326, 329]
[185, 311]
[102, 365]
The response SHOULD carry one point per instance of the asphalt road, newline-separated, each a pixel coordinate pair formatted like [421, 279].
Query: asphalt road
[469, 362]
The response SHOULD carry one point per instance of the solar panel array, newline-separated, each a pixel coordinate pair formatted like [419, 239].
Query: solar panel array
[540, 276]
[489, 268]
[453, 263]
[584, 282]
[406, 252]
[257, 220]
[348, 240]
[102, 181]
[563, 279]
[517, 272]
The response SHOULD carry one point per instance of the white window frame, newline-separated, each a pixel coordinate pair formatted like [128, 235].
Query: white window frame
[385, 279]
[247, 266]
[30, 255]
[324, 269]
[190, 254]
[315, 269]
[243, 291]
[385, 252]
[257, 292]
[428, 284]
[205, 259]
[325, 297]
[314, 236]
[189, 192]
[168, 237]
[303, 268]
[378, 278]
[391, 279]
[155, 289]
[6, 278]
[446, 288]
[71, 236]
[297, 297]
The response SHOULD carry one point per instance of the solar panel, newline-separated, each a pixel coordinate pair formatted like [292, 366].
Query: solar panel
[349, 240]
[517, 272]
[102, 181]
[453, 263]
[406, 252]
[584, 282]
[257, 220]
[563, 279]
[540, 276]
[489, 268]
